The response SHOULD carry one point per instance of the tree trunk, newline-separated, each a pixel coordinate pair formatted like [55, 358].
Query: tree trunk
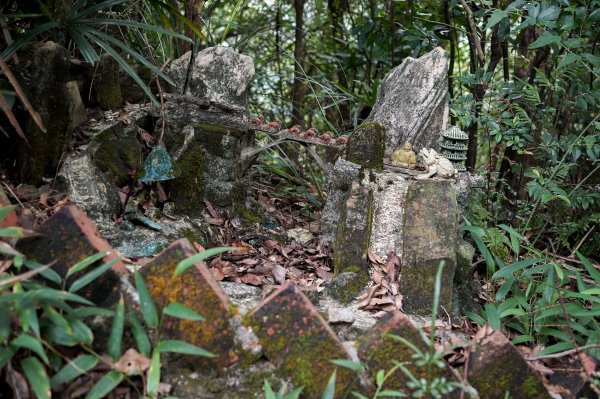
[298, 88]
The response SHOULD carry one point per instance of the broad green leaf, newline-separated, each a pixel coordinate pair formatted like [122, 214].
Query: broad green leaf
[154, 374]
[545, 39]
[139, 334]
[392, 394]
[492, 315]
[182, 347]
[116, 331]
[13, 232]
[495, 18]
[349, 364]
[6, 355]
[563, 346]
[192, 260]
[268, 391]
[593, 272]
[37, 377]
[508, 271]
[50, 294]
[60, 336]
[106, 384]
[329, 392]
[379, 378]
[48, 274]
[81, 332]
[33, 344]
[146, 303]
[520, 339]
[5, 324]
[7, 249]
[92, 311]
[181, 311]
[81, 364]
[79, 266]
[549, 14]
[91, 276]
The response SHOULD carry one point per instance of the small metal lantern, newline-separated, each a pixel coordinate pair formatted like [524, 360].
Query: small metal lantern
[454, 147]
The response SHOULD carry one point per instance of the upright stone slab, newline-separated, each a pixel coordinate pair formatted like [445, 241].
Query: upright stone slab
[412, 102]
[352, 242]
[107, 83]
[366, 146]
[69, 237]
[50, 98]
[197, 289]
[381, 352]
[299, 342]
[497, 369]
[388, 217]
[207, 128]
[430, 225]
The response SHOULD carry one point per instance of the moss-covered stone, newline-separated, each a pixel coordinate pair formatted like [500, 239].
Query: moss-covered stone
[366, 146]
[186, 190]
[352, 241]
[108, 86]
[379, 351]
[117, 155]
[430, 233]
[68, 237]
[196, 289]
[497, 369]
[50, 98]
[298, 341]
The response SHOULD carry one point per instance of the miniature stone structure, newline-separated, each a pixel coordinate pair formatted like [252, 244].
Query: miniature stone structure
[415, 215]
[454, 147]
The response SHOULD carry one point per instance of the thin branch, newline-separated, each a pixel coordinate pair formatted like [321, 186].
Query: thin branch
[474, 34]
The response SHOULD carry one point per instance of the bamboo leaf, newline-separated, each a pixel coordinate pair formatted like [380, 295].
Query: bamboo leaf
[106, 384]
[180, 311]
[33, 344]
[80, 365]
[139, 334]
[90, 260]
[192, 260]
[146, 303]
[91, 276]
[116, 331]
[154, 374]
[37, 377]
[182, 347]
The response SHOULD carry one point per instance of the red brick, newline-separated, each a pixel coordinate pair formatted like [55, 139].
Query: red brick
[298, 341]
[11, 219]
[68, 237]
[197, 289]
[496, 367]
[379, 351]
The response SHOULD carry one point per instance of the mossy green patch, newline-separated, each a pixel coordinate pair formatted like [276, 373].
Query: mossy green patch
[187, 189]
[366, 146]
[107, 84]
[117, 155]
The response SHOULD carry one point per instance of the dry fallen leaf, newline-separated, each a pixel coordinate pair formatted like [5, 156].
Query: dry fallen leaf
[132, 363]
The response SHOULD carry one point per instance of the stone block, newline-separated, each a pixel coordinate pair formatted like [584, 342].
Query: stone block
[198, 290]
[380, 352]
[366, 146]
[339, 179]
[68, 237]
[497, 369]
[299, 342]
[108, 84]
[79, 115]
[352, 240]
[430, 226]
[11, 219]
[50, 98]
[412, 102]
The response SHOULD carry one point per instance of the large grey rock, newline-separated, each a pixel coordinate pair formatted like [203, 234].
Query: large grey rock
[430, 225]
[221, 75]
[207, 127]
[50, 98]
[412, 102]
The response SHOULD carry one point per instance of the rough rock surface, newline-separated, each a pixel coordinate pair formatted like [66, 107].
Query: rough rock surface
[78, 113]
[50, 98]
[430, 225]
[412, 102]
[381, 352]
[388, 216]
[196, 289]
[107, 83]
[497, 369]
[298, 341]
[366, 146]
[68, 237]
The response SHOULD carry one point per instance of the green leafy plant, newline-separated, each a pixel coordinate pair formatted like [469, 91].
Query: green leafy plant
[42, 327]
[85, 26]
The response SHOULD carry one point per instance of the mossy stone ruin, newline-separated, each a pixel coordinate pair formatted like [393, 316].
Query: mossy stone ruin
[206, 128]
[375, 206]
